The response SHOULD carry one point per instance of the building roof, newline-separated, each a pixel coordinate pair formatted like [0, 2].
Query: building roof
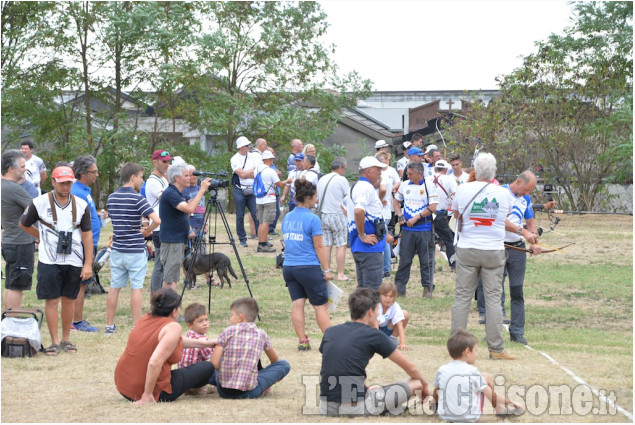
[368, 125]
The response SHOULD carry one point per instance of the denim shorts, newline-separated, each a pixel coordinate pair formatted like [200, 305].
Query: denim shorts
[128, 265]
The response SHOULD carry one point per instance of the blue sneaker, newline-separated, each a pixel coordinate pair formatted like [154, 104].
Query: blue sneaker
[83, 326]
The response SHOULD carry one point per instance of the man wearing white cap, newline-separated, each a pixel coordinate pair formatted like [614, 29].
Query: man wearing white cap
[61, 221]
[365, 224]
[403, 162]
[266, 205]
[381, 145]
[243, 164]
[446, 187]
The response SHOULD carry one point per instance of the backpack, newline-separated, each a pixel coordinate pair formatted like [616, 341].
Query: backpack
[142, 191]
[259, 186]
[319, 174]
[21, 332]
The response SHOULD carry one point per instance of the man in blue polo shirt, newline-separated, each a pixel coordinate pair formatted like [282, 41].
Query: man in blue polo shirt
[128, 259]
[419, 203]
[364, 211]
[86, 173]
[174, 211]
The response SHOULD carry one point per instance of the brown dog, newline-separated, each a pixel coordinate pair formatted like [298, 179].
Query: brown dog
[208, 263]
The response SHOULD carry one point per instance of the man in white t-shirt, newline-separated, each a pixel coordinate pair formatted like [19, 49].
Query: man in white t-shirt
[446, 187]
[403, 162]
[243, 164]
[266, 205]
[460, 176]
[332, 189]
[35, 168]
[289, 189]
[156, 183]
[481, 209]
[61, 221]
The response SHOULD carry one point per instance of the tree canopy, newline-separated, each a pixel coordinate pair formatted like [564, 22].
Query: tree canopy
[569, 106]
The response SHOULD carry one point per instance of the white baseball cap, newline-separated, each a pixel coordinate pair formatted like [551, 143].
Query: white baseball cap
[381, 144]
[371, 161]
[406, 145]
[267, 155]
[242, 141]
[441, 164]
[430, 147]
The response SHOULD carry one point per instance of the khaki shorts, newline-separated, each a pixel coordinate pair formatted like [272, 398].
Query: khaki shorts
[266, 212]
[172, 260]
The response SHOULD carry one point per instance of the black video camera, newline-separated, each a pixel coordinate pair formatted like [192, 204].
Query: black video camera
[214, 183]
[64, 242]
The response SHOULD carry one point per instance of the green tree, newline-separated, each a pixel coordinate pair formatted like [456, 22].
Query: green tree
[559, 108]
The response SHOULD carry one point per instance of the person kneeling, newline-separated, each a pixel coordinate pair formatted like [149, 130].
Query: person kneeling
[346, 351]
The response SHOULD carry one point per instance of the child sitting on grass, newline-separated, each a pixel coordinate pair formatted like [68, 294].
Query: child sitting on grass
[198, 323]
[459, 387]
[391, 318]
[238, 351]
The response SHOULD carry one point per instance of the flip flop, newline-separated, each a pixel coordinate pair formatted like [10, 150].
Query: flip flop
[69, 347]
[53, 350]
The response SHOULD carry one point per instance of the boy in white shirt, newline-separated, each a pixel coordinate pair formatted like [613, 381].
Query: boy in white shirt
[459, 387]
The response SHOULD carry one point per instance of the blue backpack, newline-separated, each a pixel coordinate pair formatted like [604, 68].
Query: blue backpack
[259, 187]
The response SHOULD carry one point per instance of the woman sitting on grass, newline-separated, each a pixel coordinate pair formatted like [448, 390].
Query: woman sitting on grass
[143, 373]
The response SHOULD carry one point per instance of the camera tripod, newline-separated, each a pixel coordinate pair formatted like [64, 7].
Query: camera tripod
[213, 203]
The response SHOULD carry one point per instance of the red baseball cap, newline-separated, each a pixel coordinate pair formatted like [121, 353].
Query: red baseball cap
[63, 174]
[162, 155]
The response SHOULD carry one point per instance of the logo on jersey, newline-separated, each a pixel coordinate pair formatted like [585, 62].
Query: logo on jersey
[484, 213]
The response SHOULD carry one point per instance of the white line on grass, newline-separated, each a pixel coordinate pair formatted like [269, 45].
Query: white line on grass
[580, 381]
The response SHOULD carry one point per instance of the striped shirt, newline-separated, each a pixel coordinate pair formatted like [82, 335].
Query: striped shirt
[242, 345]
[126, 207]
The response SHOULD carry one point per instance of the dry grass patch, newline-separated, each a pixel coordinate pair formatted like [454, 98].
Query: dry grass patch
[579, 310]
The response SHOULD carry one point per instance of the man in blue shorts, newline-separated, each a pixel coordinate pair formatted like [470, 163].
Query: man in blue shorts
[128, 258]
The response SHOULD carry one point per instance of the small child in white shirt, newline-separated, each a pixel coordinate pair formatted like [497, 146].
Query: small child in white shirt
[459, 388]
[391, 318]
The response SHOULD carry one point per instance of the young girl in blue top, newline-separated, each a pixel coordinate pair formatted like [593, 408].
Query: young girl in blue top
[305, 267]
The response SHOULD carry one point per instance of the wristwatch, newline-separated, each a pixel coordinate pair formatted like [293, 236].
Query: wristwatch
[520, 230]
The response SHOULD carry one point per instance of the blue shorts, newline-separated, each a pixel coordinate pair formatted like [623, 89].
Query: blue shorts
[128, 265]
[386, 330]
[306, 282]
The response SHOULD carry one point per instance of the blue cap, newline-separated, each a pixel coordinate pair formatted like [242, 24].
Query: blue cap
[299, 156]
[415, 151]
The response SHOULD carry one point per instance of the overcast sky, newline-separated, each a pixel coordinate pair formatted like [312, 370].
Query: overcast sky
[438, 45]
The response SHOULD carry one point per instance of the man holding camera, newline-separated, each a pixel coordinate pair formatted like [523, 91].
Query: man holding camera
[174, 212]
[419, 203]
[65, 252]
[366, 227]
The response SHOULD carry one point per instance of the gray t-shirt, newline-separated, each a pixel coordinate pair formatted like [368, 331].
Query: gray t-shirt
[14, 202]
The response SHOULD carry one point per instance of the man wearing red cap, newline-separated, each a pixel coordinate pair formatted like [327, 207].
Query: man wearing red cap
[61, 221]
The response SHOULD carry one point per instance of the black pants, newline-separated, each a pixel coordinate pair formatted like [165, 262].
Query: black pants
[194, 376]
[442, 229]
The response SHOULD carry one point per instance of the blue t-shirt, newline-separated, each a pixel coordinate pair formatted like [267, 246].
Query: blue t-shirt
[126, 207]
[298, 229]
[196, 219]
[175, 224]
[82, 191]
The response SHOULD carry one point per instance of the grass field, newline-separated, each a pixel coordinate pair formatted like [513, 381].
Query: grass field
[579, 305]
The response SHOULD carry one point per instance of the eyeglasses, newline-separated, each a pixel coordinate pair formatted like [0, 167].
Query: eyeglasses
[93, 171]
[164, 153]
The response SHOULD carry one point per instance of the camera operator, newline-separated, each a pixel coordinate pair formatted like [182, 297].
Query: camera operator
[174, 211]
[65, 252]
[365, 224]
[419, 203]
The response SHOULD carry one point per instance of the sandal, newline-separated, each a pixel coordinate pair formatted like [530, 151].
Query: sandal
[69, 347]
[53, 350]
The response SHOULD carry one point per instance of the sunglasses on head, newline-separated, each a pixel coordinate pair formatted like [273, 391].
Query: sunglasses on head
[164, 153]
